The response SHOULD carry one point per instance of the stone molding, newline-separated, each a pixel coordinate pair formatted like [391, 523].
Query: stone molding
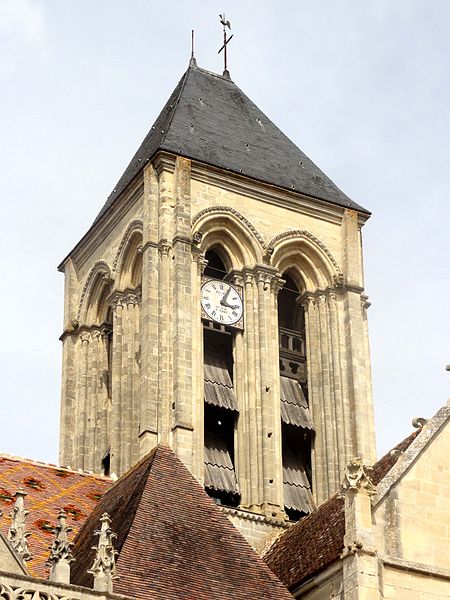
[299, 234]
[103, 330]
[125, 297]
[409, 565]
[257, 518]
[217, 210]
[99, 267]
[16, 587]
[133, 227]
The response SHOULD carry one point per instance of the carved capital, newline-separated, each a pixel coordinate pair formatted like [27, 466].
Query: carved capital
[85, 337]
[199, 257]
[307, 301]
[115, 300]
[164, 247]
[322, 299]
[338, 279]
[197, 238]
[132, 297]
[365, 302]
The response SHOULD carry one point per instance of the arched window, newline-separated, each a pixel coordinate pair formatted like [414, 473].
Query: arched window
[215, 267]
[296, 423]
[220, 404]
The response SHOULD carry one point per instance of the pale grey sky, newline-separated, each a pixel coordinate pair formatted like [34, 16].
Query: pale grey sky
[363, 88]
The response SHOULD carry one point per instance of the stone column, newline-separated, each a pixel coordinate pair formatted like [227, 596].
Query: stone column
[91, 401]
[149, 316]
[250, 403]
[357, 355]
[165, 367]
[198, 388]
[116, 388]
[81, 399]
[68, 407]
[181, 330]
[269, 392]
[67, 442]
[360, 387]
[104, 399]
[360, 561]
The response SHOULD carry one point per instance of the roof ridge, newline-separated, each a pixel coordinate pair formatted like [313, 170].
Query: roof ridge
[174, 105]
[57, 467]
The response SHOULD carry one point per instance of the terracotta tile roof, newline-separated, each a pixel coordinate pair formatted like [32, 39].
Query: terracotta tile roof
[49, 489]
[173, 540]
[317, 540]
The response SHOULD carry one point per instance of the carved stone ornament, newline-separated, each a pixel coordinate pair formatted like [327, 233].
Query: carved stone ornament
[419, 422]
[30, 592]
[303, 233]
[17, 533]
[100, 267]
[104, 567]
[133, 227]
[61, 547]
[197, 237]
[232, 211]
[358, 477]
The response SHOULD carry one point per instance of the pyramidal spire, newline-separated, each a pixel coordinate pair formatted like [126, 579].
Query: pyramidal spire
[104, 567]
[17, 533]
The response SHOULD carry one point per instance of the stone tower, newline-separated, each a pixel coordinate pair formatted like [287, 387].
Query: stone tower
[216, 305]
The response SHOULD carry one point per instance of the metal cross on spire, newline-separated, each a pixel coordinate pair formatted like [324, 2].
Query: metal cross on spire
[225, 24]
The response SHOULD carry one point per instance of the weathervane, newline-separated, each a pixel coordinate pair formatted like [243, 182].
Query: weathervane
[225, 24]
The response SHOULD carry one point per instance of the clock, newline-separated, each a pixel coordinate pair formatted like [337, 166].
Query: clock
[222, 302]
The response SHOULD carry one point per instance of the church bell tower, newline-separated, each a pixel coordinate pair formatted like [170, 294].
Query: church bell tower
[216, 306]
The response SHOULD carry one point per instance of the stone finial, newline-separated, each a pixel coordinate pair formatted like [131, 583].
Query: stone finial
[358, 477]
[60, 551]
[104, 567]
[17, 533]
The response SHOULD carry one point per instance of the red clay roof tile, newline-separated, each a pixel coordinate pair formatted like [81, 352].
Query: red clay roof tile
[173, 540]
[317, 540]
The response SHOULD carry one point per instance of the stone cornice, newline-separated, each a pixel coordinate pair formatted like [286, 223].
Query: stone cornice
[255, 517]
[271, 194]
[76, 330]
[331, 292]
[409, 565]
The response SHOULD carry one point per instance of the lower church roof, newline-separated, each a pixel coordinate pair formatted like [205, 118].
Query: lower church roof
[317, 540]
[172, 539]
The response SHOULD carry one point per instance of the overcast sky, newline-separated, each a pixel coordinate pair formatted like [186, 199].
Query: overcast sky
[361, 87]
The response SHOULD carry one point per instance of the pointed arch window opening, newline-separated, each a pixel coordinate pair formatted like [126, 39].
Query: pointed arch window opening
[220, 404]
[296, 425]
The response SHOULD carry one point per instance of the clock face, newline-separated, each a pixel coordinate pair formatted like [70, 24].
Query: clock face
[221, 302]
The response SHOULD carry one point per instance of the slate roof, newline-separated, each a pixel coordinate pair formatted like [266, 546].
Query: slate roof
[173, 540]
[49, 488]
[209, 119]
[317, 540]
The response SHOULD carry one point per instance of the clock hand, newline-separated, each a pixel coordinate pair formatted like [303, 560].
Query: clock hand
[223, 302]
